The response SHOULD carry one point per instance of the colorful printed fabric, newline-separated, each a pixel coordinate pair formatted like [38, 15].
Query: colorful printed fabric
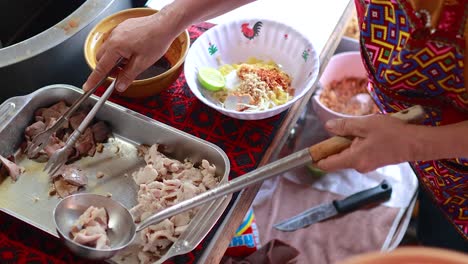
[408, 64]
[243, 141]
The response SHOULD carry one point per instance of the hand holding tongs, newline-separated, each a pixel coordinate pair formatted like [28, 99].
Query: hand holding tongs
[60, 157]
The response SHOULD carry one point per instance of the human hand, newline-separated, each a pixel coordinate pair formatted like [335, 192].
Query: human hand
[379, 140]
[140, 41]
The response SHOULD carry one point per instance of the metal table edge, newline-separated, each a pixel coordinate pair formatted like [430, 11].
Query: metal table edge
[214, 252]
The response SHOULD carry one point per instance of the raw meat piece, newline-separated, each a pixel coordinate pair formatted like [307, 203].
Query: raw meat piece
[14, 171]
[101, 131]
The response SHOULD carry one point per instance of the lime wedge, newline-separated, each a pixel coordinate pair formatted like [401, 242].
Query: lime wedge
[211, 79]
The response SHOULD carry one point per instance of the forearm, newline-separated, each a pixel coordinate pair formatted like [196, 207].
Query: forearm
[180, 14]
[443, 142]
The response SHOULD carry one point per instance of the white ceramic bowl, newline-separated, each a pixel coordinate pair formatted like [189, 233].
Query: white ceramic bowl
[274, 41]
[341, 65]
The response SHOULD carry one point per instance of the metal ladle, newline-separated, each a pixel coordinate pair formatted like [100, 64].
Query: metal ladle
[122, 229]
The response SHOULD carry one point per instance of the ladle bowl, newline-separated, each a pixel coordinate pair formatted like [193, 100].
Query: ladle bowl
[121, 230]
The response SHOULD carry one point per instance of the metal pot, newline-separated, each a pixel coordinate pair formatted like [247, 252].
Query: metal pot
[41, 41]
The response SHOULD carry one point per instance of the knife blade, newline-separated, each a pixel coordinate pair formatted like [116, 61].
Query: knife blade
[380, 193]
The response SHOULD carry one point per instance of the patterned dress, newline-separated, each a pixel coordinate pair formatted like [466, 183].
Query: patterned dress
[409, 63]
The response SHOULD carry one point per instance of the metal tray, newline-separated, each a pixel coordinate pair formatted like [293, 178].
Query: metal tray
[28, 199]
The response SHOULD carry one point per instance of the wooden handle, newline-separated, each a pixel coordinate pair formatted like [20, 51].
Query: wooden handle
[336, 144]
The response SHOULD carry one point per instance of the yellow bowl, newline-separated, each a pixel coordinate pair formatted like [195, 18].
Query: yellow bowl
[142, 87]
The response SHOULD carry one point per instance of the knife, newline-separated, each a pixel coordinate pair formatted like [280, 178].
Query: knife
[380, 193]
[302, 157]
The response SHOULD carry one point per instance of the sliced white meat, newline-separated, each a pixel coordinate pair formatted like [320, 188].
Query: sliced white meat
[237, 102]
[171, 185]
[159, 239]
[145, 175]
[13, 170]
[164, 182]
[145, 257]
[90, 228]
[180, 229]
[163, 225]
[181, 219]
[187, 191]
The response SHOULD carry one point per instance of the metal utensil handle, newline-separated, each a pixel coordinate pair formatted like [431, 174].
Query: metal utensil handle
[299, 158]
[262, 173]
[336, 144]
[87, 94]
[382, 192]
[89, 117]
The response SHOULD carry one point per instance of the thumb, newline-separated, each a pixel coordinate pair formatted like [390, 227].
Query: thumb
[128, 74]
[347, 127]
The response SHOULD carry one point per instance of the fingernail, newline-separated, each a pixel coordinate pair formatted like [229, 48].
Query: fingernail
[120, 87]
[85, 87]
[331, 124]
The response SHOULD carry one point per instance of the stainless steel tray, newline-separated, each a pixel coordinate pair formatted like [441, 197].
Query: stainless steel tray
[28, 199]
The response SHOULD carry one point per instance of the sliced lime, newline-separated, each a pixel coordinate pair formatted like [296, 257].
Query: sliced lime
[211, 79]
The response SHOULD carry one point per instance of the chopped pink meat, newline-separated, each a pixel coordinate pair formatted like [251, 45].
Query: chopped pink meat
[60, 107]
[101, 131]
[91, 228]
[164, 182]
[76, 120]
[46, 117]
[14, 171]
[85, 144]
[54, 144]
[50, 116]
[34, 129]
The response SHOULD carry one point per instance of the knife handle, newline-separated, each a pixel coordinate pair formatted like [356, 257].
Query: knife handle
[382, 192]
[336, 144]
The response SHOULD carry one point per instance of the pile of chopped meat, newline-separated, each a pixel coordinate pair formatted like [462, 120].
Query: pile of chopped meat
[348, 96]
[69, 178]
[164, 182]
[91, 228]
[97, 133]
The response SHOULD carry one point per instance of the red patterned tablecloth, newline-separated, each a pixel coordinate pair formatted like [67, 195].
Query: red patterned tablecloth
[243, 141]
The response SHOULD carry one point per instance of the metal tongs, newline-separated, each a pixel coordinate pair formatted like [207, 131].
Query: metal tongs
[41, 140]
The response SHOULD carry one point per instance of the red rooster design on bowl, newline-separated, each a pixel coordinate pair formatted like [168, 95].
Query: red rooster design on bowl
[251, 32]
